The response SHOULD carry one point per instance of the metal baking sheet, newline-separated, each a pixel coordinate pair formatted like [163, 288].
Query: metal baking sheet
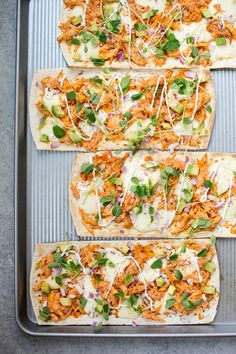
[42, 210]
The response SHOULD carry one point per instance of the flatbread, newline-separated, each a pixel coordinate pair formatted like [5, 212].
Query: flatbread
[42, 250]
[106, 143]
[115, 229]
[223, 56]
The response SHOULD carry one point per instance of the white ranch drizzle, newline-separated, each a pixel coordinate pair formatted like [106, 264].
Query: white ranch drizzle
[83, 23]
[197, 30]
[142, 280]
[164, 89]
[181, 190]
[77, 255]
[197, 96]
[122, 200]
[73, 124]
[212, 176]
[108, 85]
[126, 5]
[228, 200]
[197, 268]
[122, 96]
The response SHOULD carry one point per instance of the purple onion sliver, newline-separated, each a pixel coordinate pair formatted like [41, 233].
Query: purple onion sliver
[54, 145]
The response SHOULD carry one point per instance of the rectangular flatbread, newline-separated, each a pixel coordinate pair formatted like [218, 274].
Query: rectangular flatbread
[125, 283]
[92, 110]
[154, 194]
[148, 33]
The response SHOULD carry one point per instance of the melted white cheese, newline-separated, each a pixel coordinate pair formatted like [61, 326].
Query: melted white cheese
[137, 126]
[148, 273]
[88, 289]
[230, 215]
[128, 313]
[88, 202]
[49, 102]
[224, 175]
[226, 51]
[118, 259]
[48, 128]
[182, 129]
[77, 11]
[91, 51]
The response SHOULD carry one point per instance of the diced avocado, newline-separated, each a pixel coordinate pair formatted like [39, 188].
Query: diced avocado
[192, 170]
[57, 111]
[74, 137]
[166, 125]
[52, 283]
[138, 209]
[182, 205]
[45, 288]
[210, 267]
[176, 106]
[44, 138]
[159, 252]
[92, 263]
[65, 301]
[64, 247]
[168, 33]
[209, 290]
[160, 282]
[99, 308]
[76, 20]
[189, 61]
[124, 249]
[77, 57]
[205, 13]
[171, 290]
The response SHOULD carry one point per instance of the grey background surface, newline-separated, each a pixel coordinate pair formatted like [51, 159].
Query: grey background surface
[12, 340]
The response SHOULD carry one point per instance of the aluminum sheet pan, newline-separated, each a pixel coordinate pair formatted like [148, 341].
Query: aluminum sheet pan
[42, 208]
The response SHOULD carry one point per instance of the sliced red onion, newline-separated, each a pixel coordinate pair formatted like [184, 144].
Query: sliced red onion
[71, 296]
[220, 204]
[173, 146]
[120, 56]
[136, 279]
[220, 26]
[57, 271]
[181, 60]
[190, 74]
[145, 300]
[150, 31]
[122, 231]
[91, 295]
[198, 191]
[187, 208]
[194, 181]
[147, 139]
[123, 169]
[134, 324]
[37, 84]
[172, 312]
[94, 324]
[54, 145]
[63, 291]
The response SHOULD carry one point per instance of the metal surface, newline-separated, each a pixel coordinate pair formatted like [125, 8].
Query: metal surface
[42, 210]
